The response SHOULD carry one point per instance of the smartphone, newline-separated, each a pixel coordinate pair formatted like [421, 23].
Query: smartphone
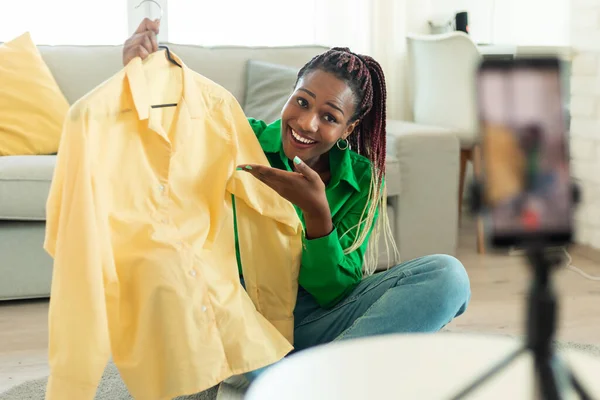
[526, 185]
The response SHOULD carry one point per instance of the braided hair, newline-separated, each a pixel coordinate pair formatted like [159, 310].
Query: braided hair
[365, 78]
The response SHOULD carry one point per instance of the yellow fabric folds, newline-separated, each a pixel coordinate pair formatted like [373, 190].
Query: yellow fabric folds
[140, 226]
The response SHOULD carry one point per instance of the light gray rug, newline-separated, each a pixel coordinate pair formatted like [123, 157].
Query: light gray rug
[112, 387]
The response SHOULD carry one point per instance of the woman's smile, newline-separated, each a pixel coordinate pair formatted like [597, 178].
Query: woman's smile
[300, 140]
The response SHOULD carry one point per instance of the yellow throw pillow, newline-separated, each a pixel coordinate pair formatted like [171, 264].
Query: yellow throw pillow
[32, 107]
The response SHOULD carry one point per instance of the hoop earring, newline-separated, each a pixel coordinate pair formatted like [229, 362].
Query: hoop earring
[342, 144]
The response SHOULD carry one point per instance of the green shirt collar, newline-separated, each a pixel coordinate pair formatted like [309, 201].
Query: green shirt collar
[339, 160]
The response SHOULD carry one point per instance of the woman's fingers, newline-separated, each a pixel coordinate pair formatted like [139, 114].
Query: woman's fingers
[148, 25]
[305, 170]
[270, 176]
[143, 42]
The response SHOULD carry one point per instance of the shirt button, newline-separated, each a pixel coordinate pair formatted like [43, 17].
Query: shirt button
[204, 308]
[193, 272]
[161, 188]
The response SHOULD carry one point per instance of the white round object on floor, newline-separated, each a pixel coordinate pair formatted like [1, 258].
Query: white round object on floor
[434, 366]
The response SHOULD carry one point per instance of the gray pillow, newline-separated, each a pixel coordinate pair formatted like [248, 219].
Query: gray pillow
[268, 87]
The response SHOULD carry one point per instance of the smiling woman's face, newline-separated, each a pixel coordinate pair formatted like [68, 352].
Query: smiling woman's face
[316, 116]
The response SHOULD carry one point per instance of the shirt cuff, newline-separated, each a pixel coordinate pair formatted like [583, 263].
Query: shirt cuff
[61, 388]
[325, 250]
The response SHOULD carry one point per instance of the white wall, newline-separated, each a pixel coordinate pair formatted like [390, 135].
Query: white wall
[522, 22]
[585, 110]
[65, 21]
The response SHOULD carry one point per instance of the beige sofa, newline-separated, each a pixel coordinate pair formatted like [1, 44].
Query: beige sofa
[422, 167]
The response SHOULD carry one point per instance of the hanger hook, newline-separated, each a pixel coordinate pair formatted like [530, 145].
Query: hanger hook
[153, 1]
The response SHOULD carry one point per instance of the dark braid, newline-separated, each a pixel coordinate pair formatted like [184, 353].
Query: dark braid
[365, 77]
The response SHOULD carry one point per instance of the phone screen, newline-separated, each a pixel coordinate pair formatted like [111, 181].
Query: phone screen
[527, 187]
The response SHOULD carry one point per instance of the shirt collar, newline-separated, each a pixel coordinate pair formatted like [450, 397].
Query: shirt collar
[139, 85]
[340, 161]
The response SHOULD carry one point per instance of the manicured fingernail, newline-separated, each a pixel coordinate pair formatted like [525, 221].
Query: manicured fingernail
[297, 160]
[248, 167]
[238, 169]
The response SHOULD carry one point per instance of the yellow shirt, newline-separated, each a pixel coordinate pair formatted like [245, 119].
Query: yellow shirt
[505, 164]
[140, 226]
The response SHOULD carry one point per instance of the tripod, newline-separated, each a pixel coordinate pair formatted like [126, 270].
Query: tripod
[541, 326]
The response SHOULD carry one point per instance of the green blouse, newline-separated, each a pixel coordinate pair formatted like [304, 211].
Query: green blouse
[326, 272]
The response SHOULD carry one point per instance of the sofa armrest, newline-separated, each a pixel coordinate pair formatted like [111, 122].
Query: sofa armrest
[425, 201]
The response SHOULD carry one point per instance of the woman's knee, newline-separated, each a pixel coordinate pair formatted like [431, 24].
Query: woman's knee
[453, 281]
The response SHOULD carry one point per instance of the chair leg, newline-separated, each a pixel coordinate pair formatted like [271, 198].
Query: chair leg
[465, 156]
[477, 172]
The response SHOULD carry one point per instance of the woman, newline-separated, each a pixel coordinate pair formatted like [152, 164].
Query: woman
[327, 156]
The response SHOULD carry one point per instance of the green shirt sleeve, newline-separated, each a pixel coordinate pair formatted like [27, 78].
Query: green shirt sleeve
[326, 272]
[257, 126]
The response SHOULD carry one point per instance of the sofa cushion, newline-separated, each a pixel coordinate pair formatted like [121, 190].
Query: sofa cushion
[32, 106]
[396, 127]
[268, 88]
[24, 186]
[393, 176]
[400, 157]
[79, 69]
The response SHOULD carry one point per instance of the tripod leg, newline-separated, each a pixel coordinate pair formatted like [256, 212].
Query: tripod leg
[494, 370]
[583, 395]
[546, 381]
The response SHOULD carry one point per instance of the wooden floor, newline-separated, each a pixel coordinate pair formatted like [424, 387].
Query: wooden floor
[499, 284]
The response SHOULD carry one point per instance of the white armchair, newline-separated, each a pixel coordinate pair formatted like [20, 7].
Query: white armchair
[442, 92]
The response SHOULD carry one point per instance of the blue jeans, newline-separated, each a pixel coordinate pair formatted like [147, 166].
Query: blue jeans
[418, 296]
